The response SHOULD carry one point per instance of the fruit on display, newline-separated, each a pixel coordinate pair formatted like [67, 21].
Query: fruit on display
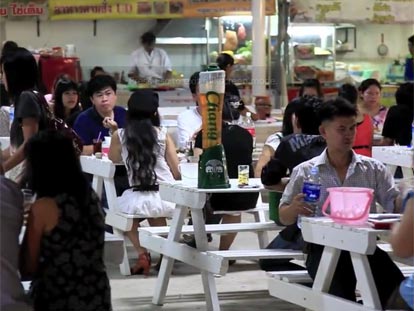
[243, 55]
[231, 40]
[241, 32]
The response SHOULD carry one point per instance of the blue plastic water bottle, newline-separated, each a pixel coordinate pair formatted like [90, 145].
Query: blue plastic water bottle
[312, 191]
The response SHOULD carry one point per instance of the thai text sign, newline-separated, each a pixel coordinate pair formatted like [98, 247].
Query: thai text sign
[119, 9]
[371, 11]
[21, 8]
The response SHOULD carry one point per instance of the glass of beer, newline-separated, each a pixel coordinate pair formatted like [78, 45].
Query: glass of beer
[211, 99]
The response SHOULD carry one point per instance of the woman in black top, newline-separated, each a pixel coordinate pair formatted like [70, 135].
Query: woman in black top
[20, 75]
[231, 93]
[397, 125]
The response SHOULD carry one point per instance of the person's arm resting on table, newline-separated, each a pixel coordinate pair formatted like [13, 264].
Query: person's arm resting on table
[264, 158]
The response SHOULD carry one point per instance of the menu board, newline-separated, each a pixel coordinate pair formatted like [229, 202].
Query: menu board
[120, 9]
[370, 11]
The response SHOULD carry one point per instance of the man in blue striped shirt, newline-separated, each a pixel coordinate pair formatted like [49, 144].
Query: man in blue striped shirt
[340, 166]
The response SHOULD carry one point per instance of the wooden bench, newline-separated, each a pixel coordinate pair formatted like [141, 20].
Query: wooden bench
[293, 276]
[215, 262]
[103, 171]
[259, 214]
[255, 254]
[218, 229]
[302, 276]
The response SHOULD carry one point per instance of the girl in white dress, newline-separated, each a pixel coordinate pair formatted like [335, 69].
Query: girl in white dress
[149, 155]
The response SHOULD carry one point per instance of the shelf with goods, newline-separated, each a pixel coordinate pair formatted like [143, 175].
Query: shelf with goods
[313, 52]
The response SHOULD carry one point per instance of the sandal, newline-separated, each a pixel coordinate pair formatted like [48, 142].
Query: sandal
[143, 265]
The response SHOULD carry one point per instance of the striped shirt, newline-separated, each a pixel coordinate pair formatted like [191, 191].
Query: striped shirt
[362, 172]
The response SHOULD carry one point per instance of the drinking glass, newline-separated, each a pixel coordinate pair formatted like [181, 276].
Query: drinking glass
[97, 146]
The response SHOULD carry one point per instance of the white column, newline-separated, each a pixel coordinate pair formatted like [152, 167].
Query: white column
[259, 52]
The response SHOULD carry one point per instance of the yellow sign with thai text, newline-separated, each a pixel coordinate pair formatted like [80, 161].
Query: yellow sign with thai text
[120, 9]
[364, 11]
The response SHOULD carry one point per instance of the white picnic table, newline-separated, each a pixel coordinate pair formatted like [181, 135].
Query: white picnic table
[360, 241]
[394, 156]
[153, 238]
[209, 262]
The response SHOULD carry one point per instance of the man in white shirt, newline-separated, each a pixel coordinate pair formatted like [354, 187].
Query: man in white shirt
[148, 63]
[189, 121]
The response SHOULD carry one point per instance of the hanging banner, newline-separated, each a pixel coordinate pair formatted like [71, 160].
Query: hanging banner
[120, 9]
[22, 8]
[370, 11]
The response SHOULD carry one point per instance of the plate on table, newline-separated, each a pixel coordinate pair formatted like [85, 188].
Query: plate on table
[383, 221]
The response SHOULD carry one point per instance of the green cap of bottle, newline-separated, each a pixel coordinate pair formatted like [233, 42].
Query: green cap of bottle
[213, 68]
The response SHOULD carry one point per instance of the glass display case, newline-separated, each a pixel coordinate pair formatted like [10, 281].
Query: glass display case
[235, 35]
[312, 50]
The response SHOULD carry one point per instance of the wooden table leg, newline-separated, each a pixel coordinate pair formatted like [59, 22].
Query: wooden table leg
[209, 283]
[366, 283]
[97, 185]
[326, 269]
[167, 263]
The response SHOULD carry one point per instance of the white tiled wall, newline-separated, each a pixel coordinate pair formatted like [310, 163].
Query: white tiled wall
[110, 48]
[116, 39]
[369, 37]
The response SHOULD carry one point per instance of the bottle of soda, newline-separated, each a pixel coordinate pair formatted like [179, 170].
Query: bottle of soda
[312, 190]
[248, 124]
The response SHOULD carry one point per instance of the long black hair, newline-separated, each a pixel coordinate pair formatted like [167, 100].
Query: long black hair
[366, 84]
[53, 167]
[141, 137]
[63, 85]
[21, 72]
[224, 60]
[349, 92]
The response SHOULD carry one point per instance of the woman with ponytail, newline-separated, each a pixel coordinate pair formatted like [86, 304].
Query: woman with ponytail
[149, 155]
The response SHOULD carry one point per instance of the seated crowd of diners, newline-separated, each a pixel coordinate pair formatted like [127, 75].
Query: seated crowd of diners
[61, 252]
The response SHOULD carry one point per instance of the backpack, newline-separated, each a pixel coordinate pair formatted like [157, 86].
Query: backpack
[57, 124]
